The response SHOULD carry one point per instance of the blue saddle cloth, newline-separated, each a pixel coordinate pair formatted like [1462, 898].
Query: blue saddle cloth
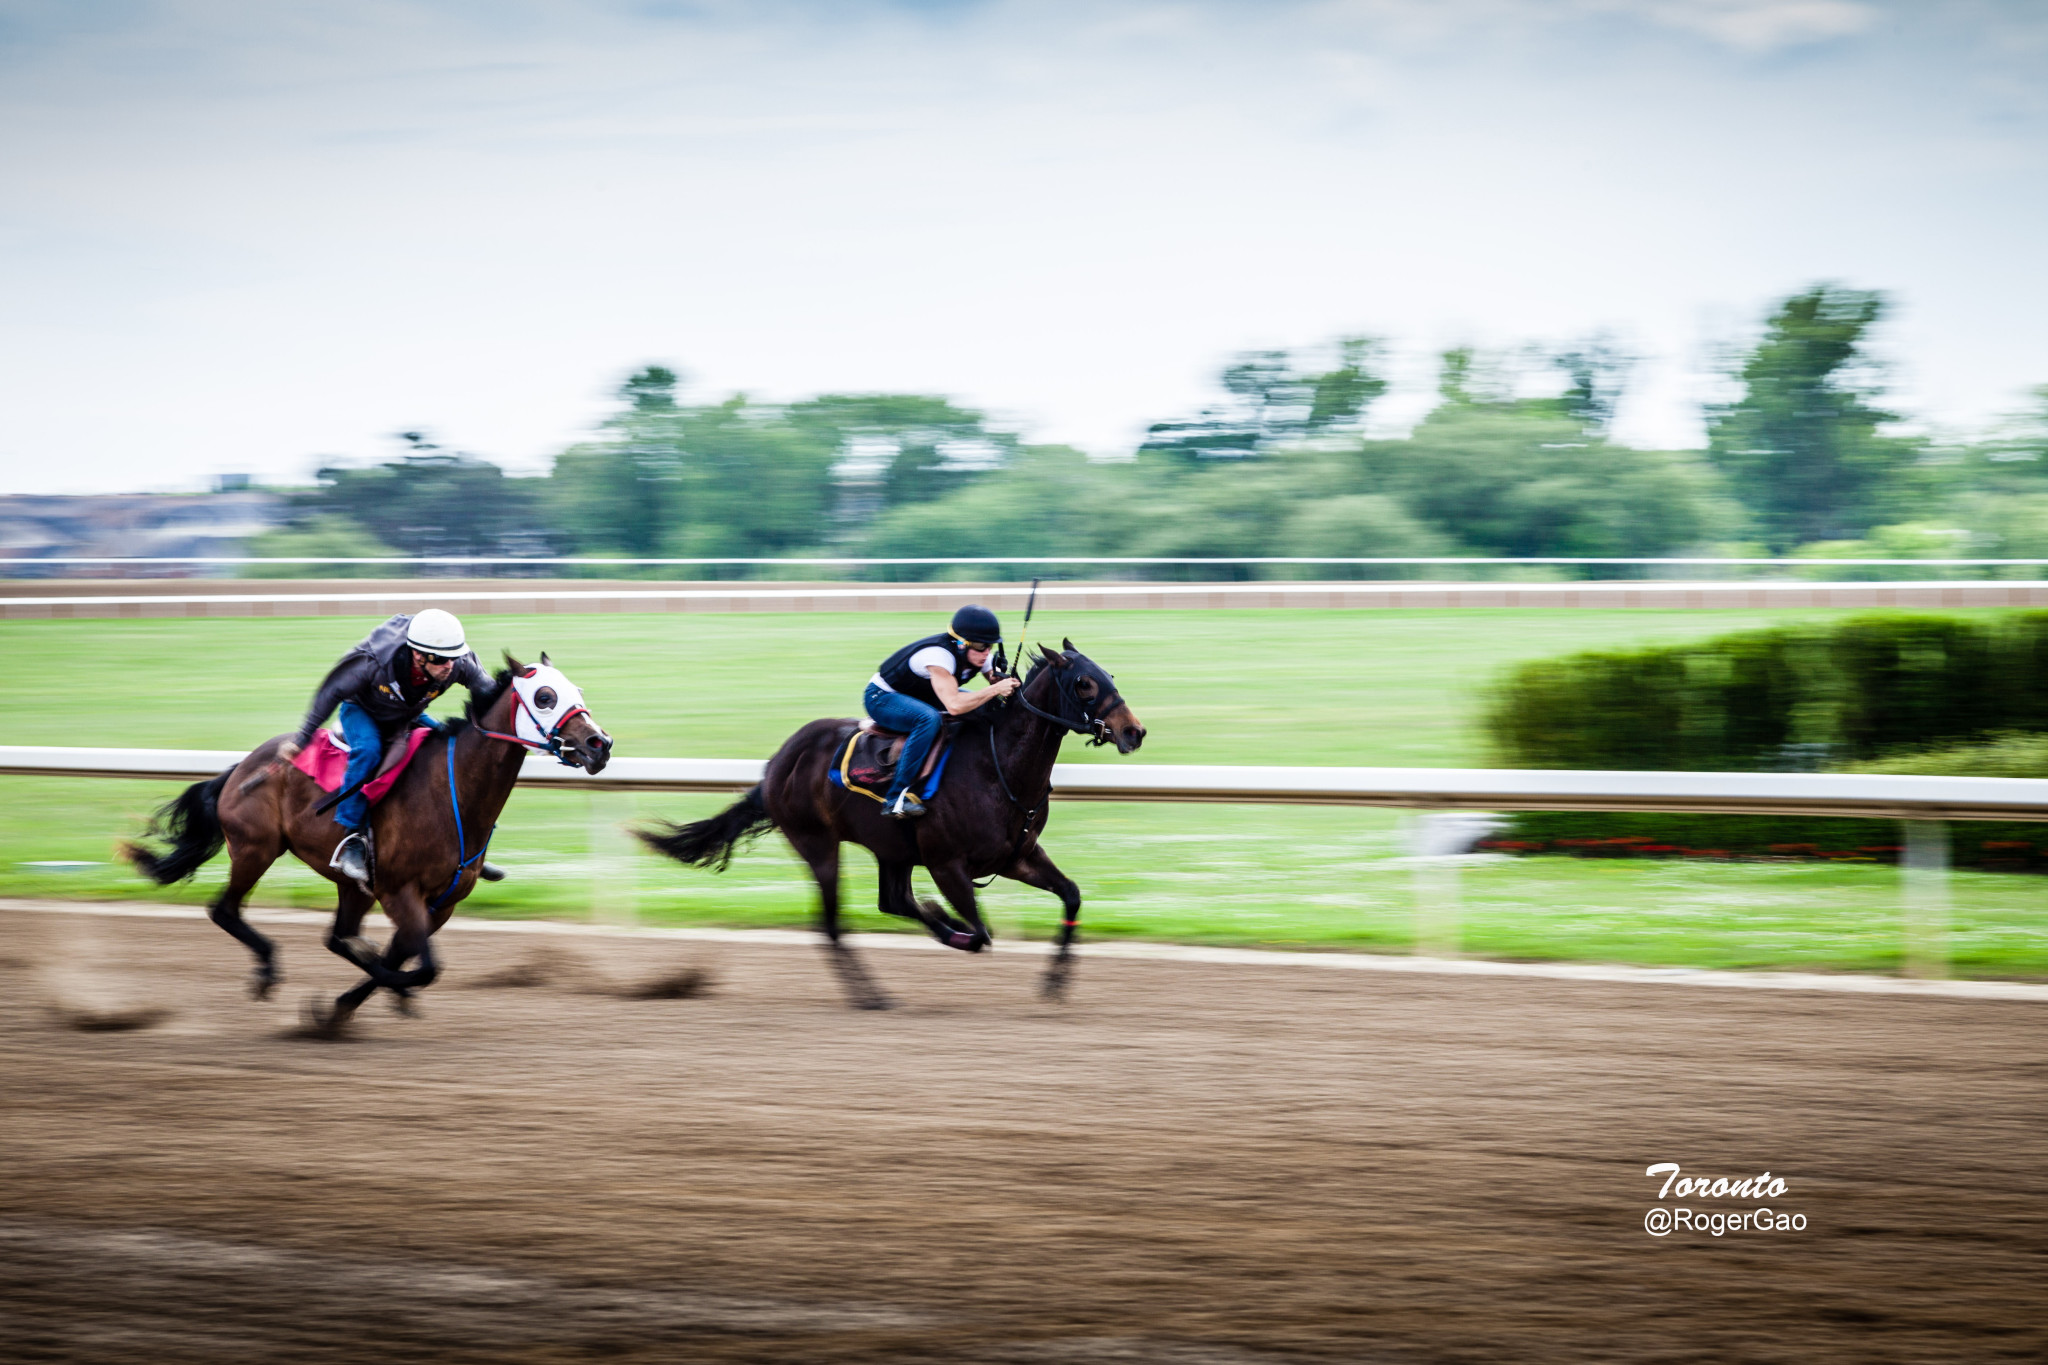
[866, 763]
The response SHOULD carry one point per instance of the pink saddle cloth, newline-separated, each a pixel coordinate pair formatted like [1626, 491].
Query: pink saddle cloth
[325, 761]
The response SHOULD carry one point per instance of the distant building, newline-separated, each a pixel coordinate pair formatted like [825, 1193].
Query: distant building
[128, 526]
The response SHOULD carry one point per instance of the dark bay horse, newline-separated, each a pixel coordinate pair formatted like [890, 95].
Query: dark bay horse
[984, 822]
[429, 830]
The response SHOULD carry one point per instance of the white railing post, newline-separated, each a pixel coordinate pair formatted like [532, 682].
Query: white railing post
[1926, 897]
[1439, 895]
[613, 876]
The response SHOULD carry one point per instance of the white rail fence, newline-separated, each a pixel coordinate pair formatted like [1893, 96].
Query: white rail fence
[1780, 563]
[183, 598]
[1923, 805]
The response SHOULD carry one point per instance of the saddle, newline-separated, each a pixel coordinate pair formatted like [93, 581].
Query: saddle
[325, 760]
[866, 763]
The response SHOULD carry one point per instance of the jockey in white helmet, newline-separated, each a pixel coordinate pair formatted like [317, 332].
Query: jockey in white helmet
[382, 688]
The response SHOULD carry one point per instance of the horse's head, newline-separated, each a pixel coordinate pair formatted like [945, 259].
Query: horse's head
[1087, 698]
[548, 714]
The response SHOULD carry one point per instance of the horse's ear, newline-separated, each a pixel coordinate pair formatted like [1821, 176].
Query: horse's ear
[1066, 644]
[544, 660]
[513, 664]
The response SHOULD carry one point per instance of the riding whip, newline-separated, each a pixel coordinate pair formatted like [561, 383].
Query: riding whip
[344, 794]
[1030, 605]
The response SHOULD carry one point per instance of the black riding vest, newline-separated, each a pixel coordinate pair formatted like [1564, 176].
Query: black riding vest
[895, 669]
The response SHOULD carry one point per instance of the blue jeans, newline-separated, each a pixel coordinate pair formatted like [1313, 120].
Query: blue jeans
[913, 718]
[365, 752]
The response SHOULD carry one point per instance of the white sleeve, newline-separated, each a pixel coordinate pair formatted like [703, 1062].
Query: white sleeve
[933, 656]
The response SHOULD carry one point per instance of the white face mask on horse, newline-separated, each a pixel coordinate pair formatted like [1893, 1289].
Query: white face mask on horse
[544, 700]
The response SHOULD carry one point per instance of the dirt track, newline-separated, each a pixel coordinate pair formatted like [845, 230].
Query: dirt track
[1201, 1164]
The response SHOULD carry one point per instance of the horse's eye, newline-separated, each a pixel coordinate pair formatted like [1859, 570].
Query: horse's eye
[544, 700]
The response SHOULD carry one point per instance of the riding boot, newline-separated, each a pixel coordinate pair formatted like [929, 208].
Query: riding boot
[903, 806]
[490, 872]
[352, 859]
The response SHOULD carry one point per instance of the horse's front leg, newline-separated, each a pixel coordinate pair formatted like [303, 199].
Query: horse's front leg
[957, 887]
[412, 937]
[345, 936]
[1034, 868]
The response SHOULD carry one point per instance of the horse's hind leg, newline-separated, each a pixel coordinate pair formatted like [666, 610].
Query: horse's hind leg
[1033, 868]
[246, 867]
[820, 851]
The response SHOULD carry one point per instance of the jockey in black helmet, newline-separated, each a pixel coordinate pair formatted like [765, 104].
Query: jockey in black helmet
[382, 688]
[921, 680]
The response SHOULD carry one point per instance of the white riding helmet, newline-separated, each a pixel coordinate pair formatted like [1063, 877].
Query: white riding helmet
[434, 631]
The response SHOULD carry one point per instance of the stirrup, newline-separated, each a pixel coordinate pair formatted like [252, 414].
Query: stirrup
[904, 806]
[356, 869]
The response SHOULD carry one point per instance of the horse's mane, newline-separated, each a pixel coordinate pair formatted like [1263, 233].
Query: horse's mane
[1041, 659]
[480, 703]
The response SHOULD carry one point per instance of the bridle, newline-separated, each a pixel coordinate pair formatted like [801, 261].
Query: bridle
[547, 739]
[1067, 681]
[1067, 684]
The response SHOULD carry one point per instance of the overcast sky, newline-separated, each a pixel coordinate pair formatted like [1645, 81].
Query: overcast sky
[244, 235]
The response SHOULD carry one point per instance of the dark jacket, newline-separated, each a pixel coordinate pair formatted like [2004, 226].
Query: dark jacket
[377, 676]
[895, 669]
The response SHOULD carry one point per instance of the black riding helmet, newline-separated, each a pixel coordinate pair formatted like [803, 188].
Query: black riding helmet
[976, 625]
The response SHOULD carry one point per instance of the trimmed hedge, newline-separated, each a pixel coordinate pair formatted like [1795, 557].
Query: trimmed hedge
[1990, 847]
[1791, 698]
[1787, 699]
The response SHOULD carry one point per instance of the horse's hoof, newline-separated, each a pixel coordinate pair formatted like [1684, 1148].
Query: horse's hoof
[874, 1002]
[263, 981]
[966, 942]
[405, 1005]
[319, 1019]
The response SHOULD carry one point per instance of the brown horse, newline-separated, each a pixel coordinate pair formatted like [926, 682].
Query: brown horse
[985, 822]
[429, 831]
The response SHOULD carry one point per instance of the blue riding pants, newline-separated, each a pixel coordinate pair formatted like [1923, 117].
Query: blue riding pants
[912, 718]
[365, 752]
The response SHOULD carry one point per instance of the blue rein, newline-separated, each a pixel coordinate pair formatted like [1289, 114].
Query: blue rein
[461, 840]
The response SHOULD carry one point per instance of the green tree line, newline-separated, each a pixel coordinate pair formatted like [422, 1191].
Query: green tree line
[1803, 458]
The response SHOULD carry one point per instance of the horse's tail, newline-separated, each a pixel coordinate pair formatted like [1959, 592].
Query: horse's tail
[711, 843]
[191, 821]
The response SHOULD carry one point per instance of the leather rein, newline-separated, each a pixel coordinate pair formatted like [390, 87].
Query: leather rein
[1089, 725]
[551, 743]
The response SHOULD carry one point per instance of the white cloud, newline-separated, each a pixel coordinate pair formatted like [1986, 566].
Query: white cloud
[240, 237]
[1760, 26]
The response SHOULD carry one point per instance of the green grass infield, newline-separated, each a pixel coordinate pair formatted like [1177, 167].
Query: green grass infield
[1398, 688]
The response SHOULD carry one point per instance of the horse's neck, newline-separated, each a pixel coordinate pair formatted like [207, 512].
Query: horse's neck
[1029, 745]
[486, 768]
